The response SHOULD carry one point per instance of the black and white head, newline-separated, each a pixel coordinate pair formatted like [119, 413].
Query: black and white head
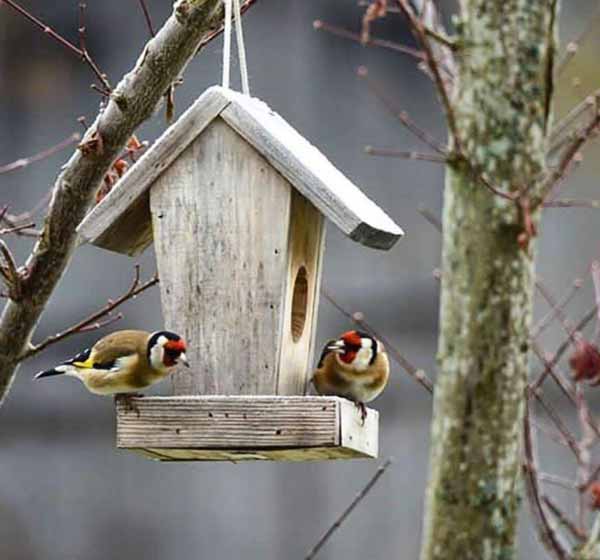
[166, 350]
[355, 349]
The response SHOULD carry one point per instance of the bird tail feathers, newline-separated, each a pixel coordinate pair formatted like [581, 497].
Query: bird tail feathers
[58, 370]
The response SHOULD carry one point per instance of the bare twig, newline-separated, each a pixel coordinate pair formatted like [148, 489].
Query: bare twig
[417, 374]
[558, 131]
[573, 46]
[92, 322]
[570, 156]
[558, 310]
[337, 523]
[387, 152]
[82, 53]
[402, 116]
[24, 162]
[431, 218]
[16, 229]
[572, 203]
[558, 422]
[585, 444]
[563, 348]
[554, 436]
[418, 28]
[147, 17]
[548, 535]
[564, 520]
[565, 386]
[557, 481]
[382, 43]
[541, 326]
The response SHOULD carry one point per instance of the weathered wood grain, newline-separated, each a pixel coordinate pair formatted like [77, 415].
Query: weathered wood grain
[246, 428]
[305, 251]
[307, 169]
[109, 224]
[221, 220]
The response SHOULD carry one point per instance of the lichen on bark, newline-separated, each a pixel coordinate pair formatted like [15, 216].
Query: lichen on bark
[501, 102]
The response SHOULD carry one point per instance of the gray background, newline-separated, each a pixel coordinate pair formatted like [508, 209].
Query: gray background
[65, 493]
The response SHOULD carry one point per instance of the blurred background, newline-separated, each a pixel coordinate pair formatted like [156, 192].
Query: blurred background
[65, 492]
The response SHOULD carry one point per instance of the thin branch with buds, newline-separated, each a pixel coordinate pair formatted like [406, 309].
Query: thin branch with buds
[573, 45]
[558, 132]
[357, 500]
[571, 156]
[415, 156]
[80, 52]
[95, 320]
[402, 116]
[356, 37]
[419, 30]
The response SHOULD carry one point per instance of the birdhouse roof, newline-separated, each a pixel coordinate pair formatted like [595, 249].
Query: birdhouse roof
[124, 212]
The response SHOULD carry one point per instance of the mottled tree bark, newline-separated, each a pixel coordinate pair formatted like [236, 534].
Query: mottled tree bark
[501, 101]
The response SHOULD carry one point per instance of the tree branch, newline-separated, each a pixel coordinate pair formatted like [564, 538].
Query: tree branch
[547, 534]
[192, 24]
[92, 322]
[337, 523]
[370, 42]
[82, 52]
[24, 162]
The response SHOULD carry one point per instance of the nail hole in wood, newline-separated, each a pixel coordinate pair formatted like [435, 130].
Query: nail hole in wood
[299, 304]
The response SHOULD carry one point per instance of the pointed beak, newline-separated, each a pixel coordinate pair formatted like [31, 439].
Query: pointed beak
[338, 347]
[183, 359]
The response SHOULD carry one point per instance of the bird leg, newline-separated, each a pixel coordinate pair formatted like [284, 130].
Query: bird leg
[126, 400]
[363, 411]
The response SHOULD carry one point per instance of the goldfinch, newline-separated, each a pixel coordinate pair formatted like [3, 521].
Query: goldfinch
[124, 361]
[354, 366]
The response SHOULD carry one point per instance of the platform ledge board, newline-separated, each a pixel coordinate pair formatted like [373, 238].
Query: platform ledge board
[246, 428]
[301, 163]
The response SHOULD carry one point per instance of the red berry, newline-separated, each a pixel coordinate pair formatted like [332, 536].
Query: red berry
[585, 361]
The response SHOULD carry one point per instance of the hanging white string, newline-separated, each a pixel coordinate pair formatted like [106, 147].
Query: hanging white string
[227, 44]
[239, 33]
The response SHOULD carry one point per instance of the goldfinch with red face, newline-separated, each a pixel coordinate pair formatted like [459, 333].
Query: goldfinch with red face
[354, 366]
[124, 361]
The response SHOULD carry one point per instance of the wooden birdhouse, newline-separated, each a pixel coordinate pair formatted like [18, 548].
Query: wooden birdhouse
[235, 201]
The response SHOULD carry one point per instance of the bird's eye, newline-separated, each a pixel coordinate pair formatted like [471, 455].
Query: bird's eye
[171, 352]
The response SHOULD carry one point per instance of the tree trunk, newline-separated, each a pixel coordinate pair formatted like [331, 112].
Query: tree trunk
[501, 104]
